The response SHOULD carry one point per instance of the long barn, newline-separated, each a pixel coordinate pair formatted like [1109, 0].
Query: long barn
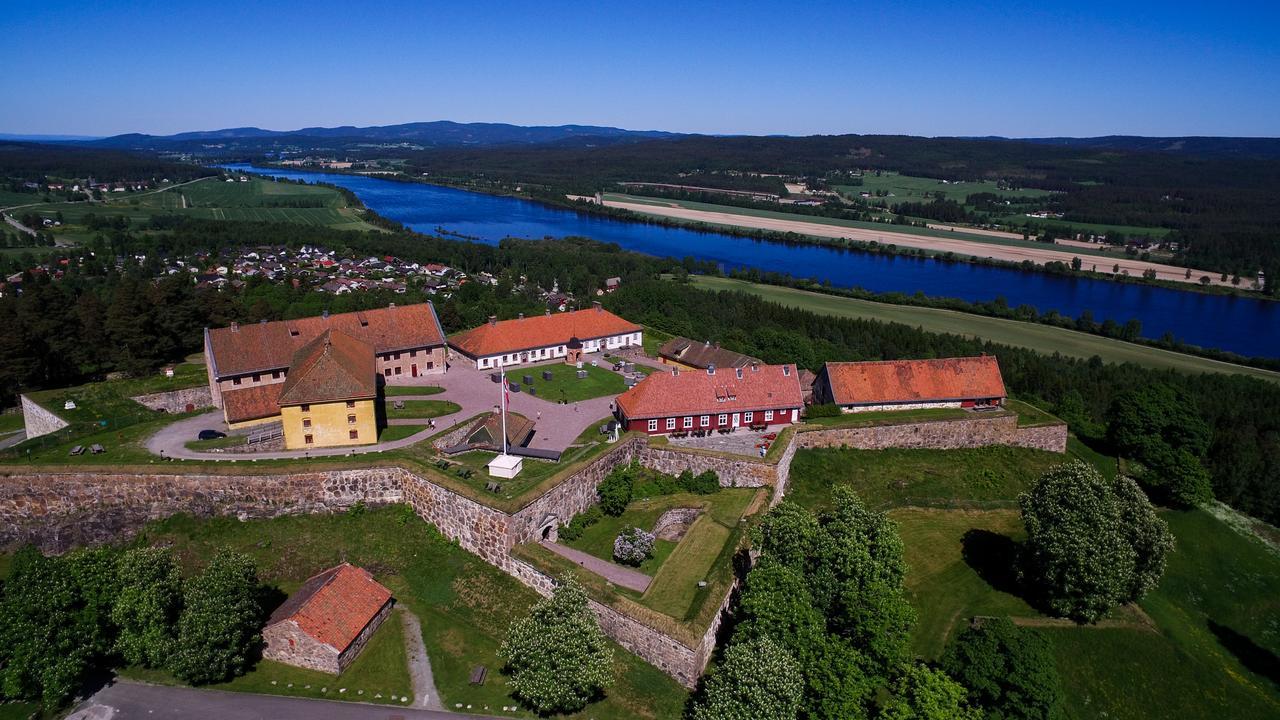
[968, 382]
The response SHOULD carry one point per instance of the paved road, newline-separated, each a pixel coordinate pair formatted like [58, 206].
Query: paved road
[126, 700]
[556, 426]
[616, 574]
[424, 686]
[8, 440]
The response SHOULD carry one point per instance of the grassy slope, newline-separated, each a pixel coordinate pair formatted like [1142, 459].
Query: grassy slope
[1043, 338]
[464, 604]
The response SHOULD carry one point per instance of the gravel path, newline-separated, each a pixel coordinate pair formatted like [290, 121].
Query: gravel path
[616, 574]
[424, 686]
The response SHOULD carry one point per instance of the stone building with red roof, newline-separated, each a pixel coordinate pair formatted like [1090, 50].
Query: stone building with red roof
[248, 364]
[692, 401]
[544, 337]
[966, 382]
[327, 622]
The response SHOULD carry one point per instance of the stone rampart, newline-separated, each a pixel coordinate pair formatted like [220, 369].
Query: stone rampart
[574, 494]
[479, 529]
[939, 435]
[1043, 437]
[178, 401]
[37, 420]
[733, 471]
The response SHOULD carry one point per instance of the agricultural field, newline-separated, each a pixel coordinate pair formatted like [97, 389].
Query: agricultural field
[1041, 338]
[1202, 645]
[907, 188]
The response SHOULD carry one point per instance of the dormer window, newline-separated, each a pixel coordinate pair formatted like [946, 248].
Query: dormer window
[786, 370]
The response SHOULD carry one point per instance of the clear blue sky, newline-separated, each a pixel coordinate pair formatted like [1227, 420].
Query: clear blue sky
[921, 68]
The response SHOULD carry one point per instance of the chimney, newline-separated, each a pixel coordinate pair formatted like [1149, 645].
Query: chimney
[391, 305]
[325, 314]
[755, 367]
[520, 316]
[235, 326]
[548, 312]
[493, 319]
[675, 372]
[595, 305]
[711, 369]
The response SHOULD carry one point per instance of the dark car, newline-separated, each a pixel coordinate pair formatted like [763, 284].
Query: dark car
[210, 435]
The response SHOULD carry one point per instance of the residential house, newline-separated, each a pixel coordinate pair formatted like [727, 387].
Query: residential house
[330, 396]
[685, 353]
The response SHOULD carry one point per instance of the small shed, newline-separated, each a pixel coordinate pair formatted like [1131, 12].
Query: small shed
[328, 621]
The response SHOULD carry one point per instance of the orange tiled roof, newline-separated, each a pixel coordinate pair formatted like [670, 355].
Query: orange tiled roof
[271, 345]
[334, 366]
[251, 403]
[906, 381]
[335, 605]
[694, 392]
[509, 336]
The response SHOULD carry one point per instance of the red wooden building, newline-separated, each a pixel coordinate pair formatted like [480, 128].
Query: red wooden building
[696, 401]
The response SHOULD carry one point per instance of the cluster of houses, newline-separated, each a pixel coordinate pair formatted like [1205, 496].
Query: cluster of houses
[320, 267]
[320, 377]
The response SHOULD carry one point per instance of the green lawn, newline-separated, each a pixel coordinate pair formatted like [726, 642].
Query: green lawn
[676, 584]
[565, 385]
[10, 421]
[394, 390]
[1041, 338]
[910, 188]
[380, 674]
[398, 432]
[464, 604]
[421, 409]
[887, 417]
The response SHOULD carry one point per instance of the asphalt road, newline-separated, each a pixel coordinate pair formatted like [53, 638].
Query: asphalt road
[126, 700]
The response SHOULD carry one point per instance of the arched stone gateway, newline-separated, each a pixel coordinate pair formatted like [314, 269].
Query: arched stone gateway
[549, 528]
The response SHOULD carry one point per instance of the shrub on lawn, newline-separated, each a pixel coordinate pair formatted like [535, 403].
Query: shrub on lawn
[817, 411]
[633, 546]
[704, 483]
[1009, 670]
[580, 523]
[615, 491]
[218, 628]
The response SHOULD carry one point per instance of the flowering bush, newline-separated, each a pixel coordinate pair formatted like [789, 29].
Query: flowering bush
[633, 546]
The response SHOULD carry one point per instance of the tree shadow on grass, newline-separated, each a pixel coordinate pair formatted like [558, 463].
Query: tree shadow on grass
[994, 557]
[1250, 654]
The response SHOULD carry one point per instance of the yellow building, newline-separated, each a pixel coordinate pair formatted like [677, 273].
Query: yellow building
[329, 397]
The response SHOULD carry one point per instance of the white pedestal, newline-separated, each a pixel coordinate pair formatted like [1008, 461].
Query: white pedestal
[505, 466]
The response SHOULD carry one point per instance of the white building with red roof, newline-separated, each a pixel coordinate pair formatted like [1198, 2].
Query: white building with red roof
[328, 621]
[544, 337]
[697, 401]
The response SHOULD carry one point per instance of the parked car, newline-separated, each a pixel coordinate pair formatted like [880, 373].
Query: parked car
[210, 435]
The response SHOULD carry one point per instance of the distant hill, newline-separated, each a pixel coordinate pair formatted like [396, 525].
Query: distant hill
[442, 133]
[1216, 147]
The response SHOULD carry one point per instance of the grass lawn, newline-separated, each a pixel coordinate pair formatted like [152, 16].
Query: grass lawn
[1030, 415]
[675, 586]
[565, 385]
[464, 604]
[394, 390]
[398, 432]
[652, 339]
[1041, 338]
[989, 477]
[10, 422]
[414, 409]
[887, 417]
[380, 674]
[908, 188]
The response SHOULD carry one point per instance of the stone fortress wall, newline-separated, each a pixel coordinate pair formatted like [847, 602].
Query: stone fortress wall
[61, 509]
[178, 401]
[37, 420]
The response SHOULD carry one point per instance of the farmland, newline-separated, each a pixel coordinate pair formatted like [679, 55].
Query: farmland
[1042, 338]
[906, 188]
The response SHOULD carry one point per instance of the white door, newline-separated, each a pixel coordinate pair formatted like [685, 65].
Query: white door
[735, 419]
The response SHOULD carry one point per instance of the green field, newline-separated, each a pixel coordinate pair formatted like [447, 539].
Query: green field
[1095, 228]
[1041, 338]
[464, 604]
[419, 409]
[212, 198]
[908, 188]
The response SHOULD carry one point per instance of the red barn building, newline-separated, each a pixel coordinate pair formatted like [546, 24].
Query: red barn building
[911, 384]
[689, 401]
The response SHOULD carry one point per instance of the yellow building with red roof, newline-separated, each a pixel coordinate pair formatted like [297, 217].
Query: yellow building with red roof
[329, 398]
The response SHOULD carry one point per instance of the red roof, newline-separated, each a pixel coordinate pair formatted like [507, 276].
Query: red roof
[252, 403]
[694, 392]
[334, 366]
[241, 349]
[335, 605]
[539, 331]
[907, 381]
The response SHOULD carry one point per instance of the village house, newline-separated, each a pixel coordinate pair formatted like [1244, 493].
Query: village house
[329, 397]
[685, 353]
[545, 337]
[968, 382]
[248, 364]
[698, 401]
[327, 622]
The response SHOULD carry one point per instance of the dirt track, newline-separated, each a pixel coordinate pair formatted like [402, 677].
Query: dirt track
[1010, 253]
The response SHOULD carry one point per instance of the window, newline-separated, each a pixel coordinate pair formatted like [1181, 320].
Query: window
[353, 434]
[413, 353]
[351, 419]
[306, 422]
[722, 420]
[275, 374]
[306, 408]
[398, 369]
[387, 372]
[704, 421]
[351, 403]
[235, 381]
[308, 439]
[688, 422]
[671, 423]
[768, 415]
[256, 377]
[653, 426]
[746, 417]
[430, 364]
[396, 356]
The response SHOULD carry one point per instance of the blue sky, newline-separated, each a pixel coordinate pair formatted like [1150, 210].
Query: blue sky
[920, 68]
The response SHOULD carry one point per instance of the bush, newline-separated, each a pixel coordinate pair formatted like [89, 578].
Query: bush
[633, 546]
[615, 491]
[818, 411]
[580, 523]
[704, 483]
[147, 608]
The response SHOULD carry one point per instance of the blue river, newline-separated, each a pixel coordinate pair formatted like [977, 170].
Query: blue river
[1242, 325]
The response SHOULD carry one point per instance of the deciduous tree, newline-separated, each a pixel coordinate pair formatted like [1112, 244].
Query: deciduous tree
[757, 680]
[218, 628]
[1009, 671]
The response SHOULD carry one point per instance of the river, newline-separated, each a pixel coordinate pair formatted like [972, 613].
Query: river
[1243, 325]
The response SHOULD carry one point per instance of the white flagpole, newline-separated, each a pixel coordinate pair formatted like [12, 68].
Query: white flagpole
[503, 402]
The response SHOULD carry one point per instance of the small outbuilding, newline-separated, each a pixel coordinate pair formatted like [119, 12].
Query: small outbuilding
[326, 623]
